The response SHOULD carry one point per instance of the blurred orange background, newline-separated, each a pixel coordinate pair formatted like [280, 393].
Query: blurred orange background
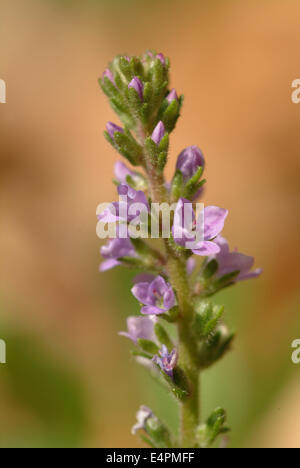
[69, 379]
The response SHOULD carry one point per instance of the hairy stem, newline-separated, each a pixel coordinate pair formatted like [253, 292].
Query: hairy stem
[176, 267]
[189, 417]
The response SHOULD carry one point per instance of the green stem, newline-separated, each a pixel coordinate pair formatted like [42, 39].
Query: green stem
[189, 417]
[176, 267]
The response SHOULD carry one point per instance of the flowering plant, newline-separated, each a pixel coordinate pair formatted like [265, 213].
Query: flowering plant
[171, 293]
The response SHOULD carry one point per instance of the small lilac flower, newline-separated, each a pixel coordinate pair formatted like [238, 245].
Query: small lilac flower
[122, 172]
[229, 262]
[158, 133]
[136, 84]
[113, 128]
[157, 296]
[189, 161]
[142, 415]
[172, 96]
[108, 74]
[113, 250]
[123, 210]
[166, 361]
[211, 219]
[139, 327]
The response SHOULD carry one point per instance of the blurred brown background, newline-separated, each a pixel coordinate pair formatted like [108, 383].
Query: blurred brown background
[69, 379]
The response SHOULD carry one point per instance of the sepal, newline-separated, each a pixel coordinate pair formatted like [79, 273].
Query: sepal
[178, 385]
[158, 433]
[207, 316]
[207, 433]
[128, 147]
[216, 346]
[163, 336]
[148, 346]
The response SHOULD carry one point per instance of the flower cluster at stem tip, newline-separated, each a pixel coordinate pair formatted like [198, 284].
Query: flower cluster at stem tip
[174, 293]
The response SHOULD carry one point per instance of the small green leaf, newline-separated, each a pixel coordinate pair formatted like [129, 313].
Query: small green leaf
[171, 115]
[141, 354]
[128, 147]
[158, 432]
[163, 336]
[180, 393]
[148, 91]
[147, 441]
[207, 433]
[177, 186]
[164, 143]
[226, 280]
[207, 317]
[161, 160]
[152, 149]
[148, 346]
[210, 269]
[216, 346]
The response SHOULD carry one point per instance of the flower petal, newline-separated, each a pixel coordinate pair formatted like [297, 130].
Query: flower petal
[140, 292]
[252, 274]
[158, 286]
[235, 261]
[151, 310]
[108, 264]
[206, 248]
[169, 298]
[214, 219]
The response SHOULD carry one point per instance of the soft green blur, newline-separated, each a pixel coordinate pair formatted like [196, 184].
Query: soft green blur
[69, 379]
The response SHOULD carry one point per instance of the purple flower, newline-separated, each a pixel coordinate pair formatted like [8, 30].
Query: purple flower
[122, 172]
[139, 327]
[229, 262]
[166, 361]
[189, 161]
[136, 84]
[158, 133]
[172, 96]
[186, 231]
[132, 203]
[108, 74]
[157, 296]
[113, 128]
[142, 415]
[115, 249]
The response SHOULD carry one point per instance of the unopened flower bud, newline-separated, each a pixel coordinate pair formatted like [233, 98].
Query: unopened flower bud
[189, 161]
[172, 96]
[113, 128]
[158, 133]
[161, 57]
[136, 84]
[108, 74]
[166, 361]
